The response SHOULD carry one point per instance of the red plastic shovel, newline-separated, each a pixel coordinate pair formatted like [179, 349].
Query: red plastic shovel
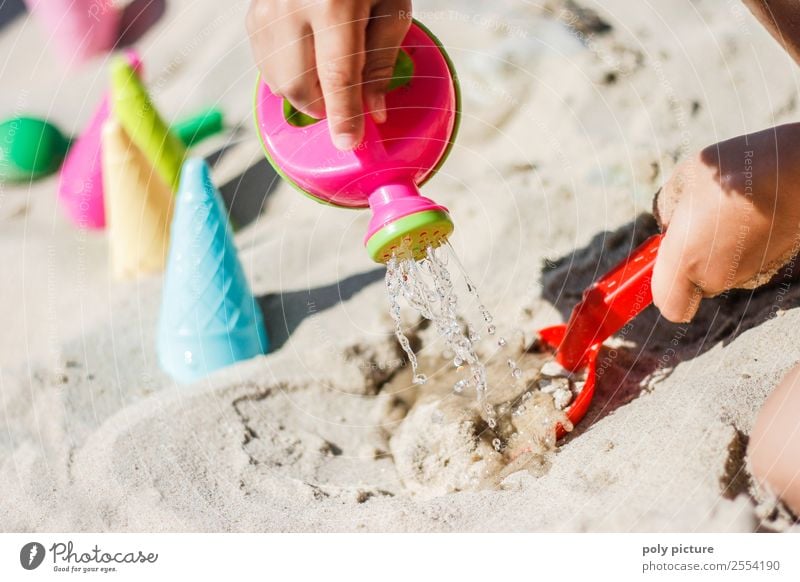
[607, 305]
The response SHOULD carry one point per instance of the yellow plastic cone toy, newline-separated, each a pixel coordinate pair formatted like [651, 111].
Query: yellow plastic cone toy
[138, 206]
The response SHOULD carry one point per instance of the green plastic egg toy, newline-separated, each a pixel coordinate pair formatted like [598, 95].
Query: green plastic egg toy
[30, 148]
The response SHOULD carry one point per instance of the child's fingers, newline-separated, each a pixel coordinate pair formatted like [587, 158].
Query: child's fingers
[283, 48]
[295, 75]
[388, 26]
[339, 43]
[680, 185]
[257, 24]
[674, 293]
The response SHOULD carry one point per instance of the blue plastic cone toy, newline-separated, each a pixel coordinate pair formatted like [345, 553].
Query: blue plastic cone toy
[209, 318]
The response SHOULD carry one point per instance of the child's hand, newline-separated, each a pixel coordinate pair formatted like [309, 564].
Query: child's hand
[732, 218]
[330, 57]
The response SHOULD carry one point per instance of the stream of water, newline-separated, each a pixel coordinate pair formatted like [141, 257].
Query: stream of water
[428, 287]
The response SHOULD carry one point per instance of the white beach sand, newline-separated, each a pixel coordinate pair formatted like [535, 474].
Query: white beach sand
[568, 130]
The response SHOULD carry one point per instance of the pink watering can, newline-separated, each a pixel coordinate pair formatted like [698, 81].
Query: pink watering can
[384, 172]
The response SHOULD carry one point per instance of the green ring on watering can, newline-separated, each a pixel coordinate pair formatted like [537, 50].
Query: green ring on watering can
[302, 119]
[410, 236]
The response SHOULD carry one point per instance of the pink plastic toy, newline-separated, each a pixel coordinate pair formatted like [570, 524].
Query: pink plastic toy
[394, 159]
[80, 186]
[80, 29]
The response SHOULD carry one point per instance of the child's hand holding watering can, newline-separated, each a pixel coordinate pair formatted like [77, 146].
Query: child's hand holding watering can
[330, 58]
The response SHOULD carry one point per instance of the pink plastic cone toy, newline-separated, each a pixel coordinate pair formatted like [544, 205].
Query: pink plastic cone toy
[80, 29]
[80, 186]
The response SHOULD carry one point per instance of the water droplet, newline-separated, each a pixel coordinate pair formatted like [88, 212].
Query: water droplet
[420, 379]
[491, 329]
[501, 342]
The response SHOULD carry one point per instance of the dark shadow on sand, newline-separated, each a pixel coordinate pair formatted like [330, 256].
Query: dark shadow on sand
[656, 343]
[137, 18]
[284, 312]
[9, 10]
[246, 194]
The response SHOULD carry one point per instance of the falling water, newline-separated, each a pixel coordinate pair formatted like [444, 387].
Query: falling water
[526, 407]
[427, 286]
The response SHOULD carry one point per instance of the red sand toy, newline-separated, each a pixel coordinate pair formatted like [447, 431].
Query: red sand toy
[607, 305]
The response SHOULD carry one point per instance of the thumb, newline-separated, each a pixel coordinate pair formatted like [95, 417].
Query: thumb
[670, 196]
[389, 23]
[675, 295]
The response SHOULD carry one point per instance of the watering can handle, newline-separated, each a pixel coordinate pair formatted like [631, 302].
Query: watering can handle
[609, 304]
[371, 148]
